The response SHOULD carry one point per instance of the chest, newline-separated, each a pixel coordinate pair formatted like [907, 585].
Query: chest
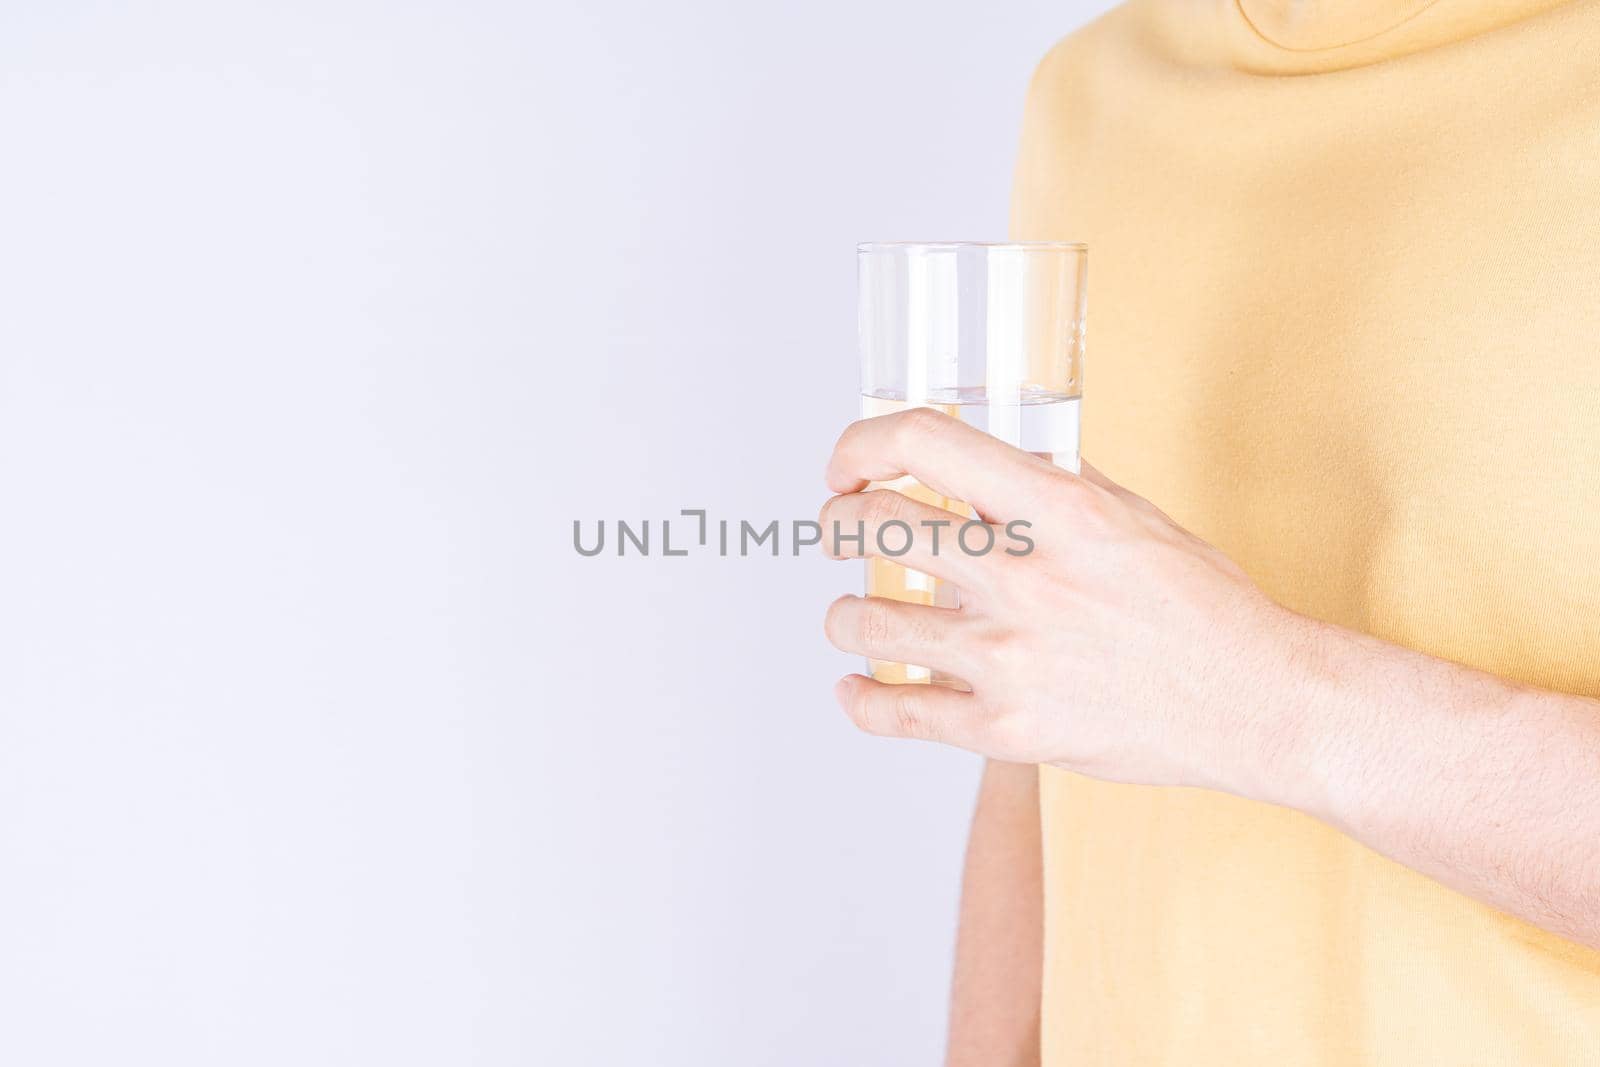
[1367, 365]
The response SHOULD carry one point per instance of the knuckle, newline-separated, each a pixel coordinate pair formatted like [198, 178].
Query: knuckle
[874, 623]
[1063, 488]
[920, 423]
[907, 712]
[884, 505]
[1096, 503]
[924, 631]
[1088, 502]
[1003, 653]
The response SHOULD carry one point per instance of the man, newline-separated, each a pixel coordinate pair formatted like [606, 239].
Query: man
[1319, 759]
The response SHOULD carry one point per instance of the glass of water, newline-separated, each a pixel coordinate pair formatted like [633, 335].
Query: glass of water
[991, 334]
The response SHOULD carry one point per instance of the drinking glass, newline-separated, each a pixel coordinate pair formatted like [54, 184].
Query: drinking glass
[992, 334]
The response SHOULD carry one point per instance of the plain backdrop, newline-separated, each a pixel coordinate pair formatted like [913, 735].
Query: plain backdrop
[319, 325]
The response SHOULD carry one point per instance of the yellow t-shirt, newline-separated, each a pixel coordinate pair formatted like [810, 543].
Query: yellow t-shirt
[1344, 323]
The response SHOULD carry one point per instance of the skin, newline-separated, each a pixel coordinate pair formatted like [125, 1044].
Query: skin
[995, 994]
[1127, 649]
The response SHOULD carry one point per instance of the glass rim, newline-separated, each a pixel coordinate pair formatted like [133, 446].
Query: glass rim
[867, 247]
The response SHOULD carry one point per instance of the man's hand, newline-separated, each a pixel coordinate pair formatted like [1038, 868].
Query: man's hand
[1125, 648]
[1121, 646]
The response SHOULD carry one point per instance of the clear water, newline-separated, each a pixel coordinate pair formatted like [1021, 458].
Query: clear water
[1044, 423]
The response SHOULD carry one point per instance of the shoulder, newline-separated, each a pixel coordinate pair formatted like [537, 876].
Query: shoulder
[1086, 91]
[1075, 89]
[1110, 55]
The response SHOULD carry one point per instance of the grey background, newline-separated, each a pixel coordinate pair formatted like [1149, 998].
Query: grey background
[319, 323]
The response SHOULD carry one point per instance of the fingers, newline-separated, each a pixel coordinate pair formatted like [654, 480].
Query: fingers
[882, 523]
[922, 712]
[883, 629]
[946, 455]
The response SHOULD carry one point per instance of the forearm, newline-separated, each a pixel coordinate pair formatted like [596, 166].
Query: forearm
[1128, 649]
[1486, 786]
[994, 1004]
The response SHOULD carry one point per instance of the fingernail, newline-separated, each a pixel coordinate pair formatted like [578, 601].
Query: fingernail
[841, 688]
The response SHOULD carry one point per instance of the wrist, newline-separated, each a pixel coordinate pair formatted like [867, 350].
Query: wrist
[1328, 764]
[1290, 718]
